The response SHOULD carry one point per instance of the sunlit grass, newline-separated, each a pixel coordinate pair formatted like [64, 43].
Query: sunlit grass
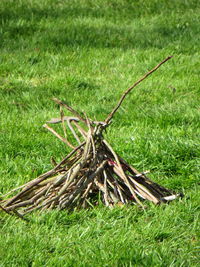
[87, 53]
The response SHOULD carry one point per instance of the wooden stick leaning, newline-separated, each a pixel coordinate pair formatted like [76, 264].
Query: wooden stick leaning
[110, 116]
[92, 166]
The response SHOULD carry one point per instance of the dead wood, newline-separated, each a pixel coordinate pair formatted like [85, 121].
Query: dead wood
[91, 168]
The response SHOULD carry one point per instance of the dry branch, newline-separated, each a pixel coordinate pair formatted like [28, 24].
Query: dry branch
[91, 168]
[110, 116]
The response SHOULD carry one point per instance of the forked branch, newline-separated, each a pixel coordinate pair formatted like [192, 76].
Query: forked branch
[110, 116]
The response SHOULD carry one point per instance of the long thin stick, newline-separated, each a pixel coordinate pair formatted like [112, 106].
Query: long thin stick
[70, 109]
[110, 116]
[15, 212]
[59, 136]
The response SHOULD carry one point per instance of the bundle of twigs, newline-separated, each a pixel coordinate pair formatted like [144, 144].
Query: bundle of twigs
[91, 171]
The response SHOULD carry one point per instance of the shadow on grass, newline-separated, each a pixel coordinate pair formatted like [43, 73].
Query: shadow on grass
[111, 26]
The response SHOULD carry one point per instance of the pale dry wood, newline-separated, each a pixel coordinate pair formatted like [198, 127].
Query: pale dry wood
[63, 122]
[89, 179]
[19, 215]
[121, 174]
[61, 103]
[64, 140]
[73, 131]
[91, 166]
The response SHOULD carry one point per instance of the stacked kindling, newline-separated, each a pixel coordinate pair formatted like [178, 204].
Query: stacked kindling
[91, 173]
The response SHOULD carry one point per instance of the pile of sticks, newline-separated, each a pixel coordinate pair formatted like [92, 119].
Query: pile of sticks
[90, 173]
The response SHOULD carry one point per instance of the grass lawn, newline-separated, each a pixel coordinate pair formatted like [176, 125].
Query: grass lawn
[87, 53]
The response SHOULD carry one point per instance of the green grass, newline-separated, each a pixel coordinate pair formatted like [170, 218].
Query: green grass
[87, 53]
